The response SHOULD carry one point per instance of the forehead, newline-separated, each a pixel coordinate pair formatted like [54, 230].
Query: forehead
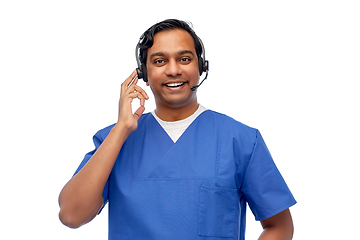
[172, 41]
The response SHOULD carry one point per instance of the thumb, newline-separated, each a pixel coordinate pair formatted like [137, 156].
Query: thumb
[139, 112]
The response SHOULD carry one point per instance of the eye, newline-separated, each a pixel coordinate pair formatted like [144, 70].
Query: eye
[185, 59]
[159, 61]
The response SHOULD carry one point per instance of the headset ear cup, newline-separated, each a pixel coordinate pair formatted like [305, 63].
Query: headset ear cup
[201, 69]
[206, 66]
[139, 73]
[144, 73]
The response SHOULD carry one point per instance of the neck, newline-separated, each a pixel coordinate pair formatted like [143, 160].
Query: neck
[171, 114]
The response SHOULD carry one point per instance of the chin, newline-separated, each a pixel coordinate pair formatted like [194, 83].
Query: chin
[181, 102]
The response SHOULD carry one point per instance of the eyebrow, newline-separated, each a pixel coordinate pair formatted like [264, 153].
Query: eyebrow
[186, 52]
[157, 54]
[161, 54]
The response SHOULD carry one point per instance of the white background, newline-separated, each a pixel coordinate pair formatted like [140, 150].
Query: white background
[289, 68]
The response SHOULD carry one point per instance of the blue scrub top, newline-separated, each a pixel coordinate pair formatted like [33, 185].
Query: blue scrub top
[195, 188]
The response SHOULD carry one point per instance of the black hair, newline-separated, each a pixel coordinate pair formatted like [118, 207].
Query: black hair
[147, 39]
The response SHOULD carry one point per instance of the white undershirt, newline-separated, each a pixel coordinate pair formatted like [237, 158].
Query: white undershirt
[177, 128]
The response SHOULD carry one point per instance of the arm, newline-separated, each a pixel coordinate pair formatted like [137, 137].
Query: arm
[81, 198]
[278, 227]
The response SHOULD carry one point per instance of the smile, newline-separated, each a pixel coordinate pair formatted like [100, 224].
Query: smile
[175, 84]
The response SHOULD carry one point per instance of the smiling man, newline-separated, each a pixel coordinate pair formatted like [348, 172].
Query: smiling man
[181, 171]
[173, 68]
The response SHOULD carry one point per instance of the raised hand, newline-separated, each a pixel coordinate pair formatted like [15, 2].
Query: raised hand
[129, 91]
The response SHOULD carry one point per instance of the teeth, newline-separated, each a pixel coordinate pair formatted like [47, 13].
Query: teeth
[174, 84]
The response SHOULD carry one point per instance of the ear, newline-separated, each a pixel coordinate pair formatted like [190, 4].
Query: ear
[147, 83]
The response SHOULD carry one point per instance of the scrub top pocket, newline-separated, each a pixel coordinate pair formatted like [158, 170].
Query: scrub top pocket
[217, 212]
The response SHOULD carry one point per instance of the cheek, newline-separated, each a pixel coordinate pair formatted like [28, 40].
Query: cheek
[194, 71]
[153, 73]
[195, 74]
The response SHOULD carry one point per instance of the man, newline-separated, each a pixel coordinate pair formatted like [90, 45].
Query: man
[182, 171]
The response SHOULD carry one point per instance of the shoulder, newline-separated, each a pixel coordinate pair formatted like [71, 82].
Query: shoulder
[102, 133]
[227, 122]
[231, 130]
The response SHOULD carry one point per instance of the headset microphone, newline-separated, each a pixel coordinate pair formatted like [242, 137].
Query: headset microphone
[207, 72]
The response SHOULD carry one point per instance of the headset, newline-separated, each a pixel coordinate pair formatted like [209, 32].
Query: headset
[142, 73]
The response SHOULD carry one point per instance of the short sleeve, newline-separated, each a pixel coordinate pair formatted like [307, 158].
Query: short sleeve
[263, 187]
[97, 139]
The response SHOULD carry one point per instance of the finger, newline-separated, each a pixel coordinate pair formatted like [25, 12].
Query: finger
[142, 91]
[128, 81]
[143, 96]
[136, 88]
[137, 95]
[133, 82]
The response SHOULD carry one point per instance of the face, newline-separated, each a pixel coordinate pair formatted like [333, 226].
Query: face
[172, 68]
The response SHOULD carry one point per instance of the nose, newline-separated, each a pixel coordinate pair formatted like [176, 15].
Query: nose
[173, 68]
